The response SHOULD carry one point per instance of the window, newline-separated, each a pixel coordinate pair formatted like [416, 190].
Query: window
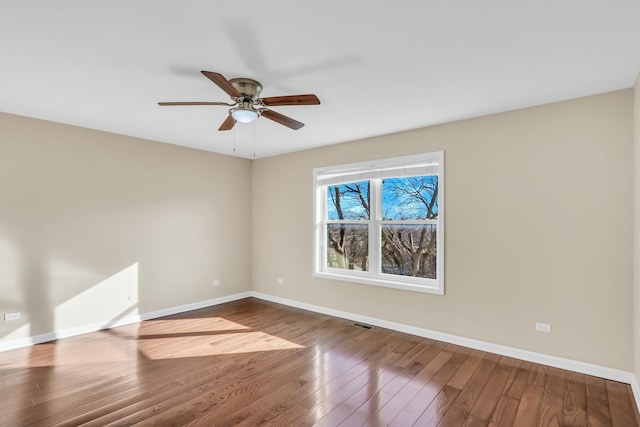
[381, 222]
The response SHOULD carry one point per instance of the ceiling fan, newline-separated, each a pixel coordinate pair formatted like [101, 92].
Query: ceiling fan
[247, 104]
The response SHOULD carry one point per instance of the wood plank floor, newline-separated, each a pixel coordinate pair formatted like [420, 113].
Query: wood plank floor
[252, 363]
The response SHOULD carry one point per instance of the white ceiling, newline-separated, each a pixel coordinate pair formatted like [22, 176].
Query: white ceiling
[377, 66]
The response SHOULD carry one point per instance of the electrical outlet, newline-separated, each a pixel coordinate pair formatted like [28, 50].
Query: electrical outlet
[279, 281]
[12, 316]
[543, 327]
[216, 283]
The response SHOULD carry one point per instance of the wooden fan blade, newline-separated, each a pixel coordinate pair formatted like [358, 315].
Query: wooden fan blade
[282, 119]
[308, 99]
[223, 83]
[169, 104]
[228, 123]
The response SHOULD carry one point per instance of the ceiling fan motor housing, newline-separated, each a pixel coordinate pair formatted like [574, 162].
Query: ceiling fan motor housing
[249, 88]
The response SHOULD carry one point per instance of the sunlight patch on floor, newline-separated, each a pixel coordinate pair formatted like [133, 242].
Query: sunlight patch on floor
[191, 326]
[67, 353]
[200, 346]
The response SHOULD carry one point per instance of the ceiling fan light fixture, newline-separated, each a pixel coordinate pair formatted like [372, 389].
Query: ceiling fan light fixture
[244, 115]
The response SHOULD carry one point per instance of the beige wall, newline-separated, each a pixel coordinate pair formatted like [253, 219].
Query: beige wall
[95, 226]
[636, 227]
[537, 229]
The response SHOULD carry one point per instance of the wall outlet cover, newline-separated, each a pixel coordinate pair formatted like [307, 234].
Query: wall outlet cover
[543, 327]
[12, 316]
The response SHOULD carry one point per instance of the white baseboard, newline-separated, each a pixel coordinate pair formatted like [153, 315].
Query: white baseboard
[529, 356]
[65, 333]
[636, 390]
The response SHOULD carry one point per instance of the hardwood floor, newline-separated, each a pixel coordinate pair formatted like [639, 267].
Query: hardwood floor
[252, 363]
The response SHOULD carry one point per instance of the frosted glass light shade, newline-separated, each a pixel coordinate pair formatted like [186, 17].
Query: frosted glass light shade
[244, 115]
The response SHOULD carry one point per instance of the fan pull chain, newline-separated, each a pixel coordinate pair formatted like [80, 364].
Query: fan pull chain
[234, 140]
[254, 139]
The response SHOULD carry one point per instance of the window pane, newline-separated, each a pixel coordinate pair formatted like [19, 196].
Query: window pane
[409, 250]
[348, 201]
[348, 246]
[410, 198]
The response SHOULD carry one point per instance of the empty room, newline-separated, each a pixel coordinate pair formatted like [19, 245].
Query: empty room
[331, 213]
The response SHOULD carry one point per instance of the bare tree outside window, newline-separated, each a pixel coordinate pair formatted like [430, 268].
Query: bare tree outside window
[348, 246]
[408, 237]
[408, 228]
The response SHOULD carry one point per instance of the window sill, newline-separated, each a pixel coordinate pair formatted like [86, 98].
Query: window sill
[381, 282]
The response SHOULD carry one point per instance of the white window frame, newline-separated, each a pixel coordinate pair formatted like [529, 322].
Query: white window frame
[375, 171]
